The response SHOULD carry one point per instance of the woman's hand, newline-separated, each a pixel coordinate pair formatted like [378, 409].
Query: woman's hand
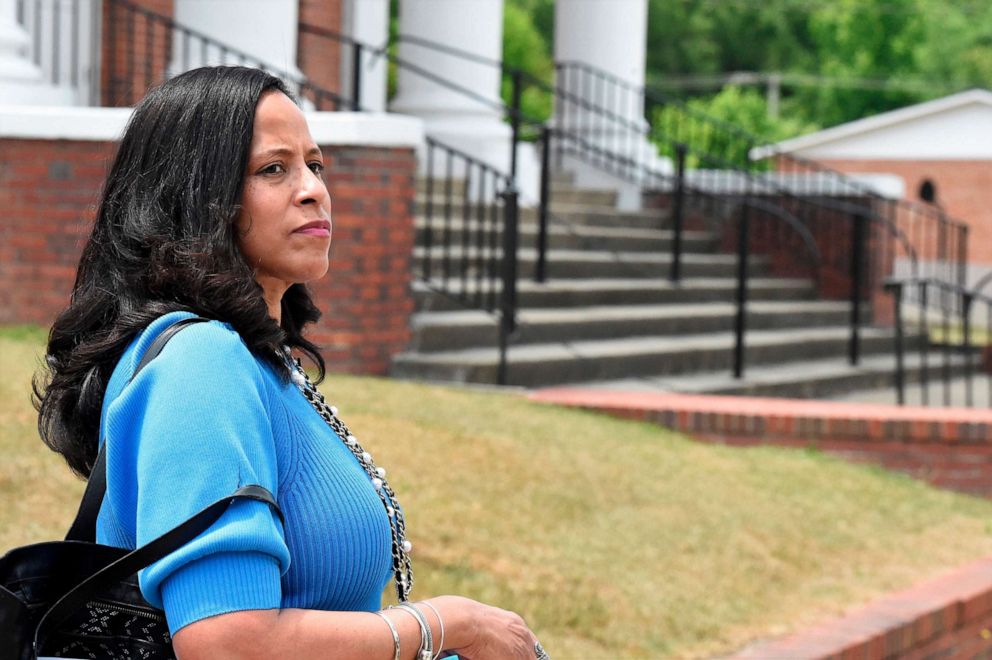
[485, 632]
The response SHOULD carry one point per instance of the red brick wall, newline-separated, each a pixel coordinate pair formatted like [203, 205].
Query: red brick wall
[945, 617]
[48, 190]
[135, 51]
[948, 447]
[366, 295]
[320, 58]
[962, 190]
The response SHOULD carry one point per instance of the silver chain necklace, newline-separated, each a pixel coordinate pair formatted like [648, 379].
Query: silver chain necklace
[401, 547]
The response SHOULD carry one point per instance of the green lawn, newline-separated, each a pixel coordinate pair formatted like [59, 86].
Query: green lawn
[613, 538]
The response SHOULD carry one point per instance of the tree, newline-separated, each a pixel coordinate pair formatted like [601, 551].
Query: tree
[524, 48]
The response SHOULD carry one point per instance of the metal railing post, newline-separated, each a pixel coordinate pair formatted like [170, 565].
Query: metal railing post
[356, 77]
[675, 272]
[515, 121]
[559, 100]
[540, 270]
[508, 299]
[895, 288]
[857, 264]
[963, 256]
[924, 344]
[743, 240]
[966, 301]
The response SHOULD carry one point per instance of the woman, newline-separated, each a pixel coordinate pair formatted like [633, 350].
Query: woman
[215, 206]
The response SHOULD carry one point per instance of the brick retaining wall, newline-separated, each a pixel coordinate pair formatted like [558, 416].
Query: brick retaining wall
[947, 617]
[948, 447]
[48, 193]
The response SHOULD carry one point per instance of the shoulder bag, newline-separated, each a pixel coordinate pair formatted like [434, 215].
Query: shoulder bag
[79, 599]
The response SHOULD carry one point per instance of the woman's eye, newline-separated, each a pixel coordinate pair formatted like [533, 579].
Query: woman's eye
[274, 168]
[317, 167]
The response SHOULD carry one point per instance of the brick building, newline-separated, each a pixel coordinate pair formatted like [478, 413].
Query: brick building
[941, 150]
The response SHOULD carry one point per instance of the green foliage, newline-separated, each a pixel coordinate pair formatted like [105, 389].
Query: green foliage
[720, 130]
[842, 59]
[525, 48]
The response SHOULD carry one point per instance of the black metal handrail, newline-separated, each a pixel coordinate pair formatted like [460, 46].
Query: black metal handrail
[799, 207]
[823, 207]
[468, 264]
[955, 307]
[934, 232]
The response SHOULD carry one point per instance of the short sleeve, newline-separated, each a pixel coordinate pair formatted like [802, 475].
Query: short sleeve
[191, 428]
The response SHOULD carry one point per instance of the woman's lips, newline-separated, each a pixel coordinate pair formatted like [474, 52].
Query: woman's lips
[321, 228]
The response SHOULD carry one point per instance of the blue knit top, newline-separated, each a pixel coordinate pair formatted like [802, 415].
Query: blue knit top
[202, 419]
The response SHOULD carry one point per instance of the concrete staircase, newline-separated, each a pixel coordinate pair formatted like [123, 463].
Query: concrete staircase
[608, 316]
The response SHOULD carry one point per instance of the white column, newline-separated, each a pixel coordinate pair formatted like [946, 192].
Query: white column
[366, 21]
[610, 35]
[466, 123]
[264, 29]
[21, 82]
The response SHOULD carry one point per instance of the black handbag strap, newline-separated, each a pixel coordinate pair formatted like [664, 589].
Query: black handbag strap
[147, 554]
[84, 526]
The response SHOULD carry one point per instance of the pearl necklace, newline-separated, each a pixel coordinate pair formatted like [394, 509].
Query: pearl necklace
[401, 547]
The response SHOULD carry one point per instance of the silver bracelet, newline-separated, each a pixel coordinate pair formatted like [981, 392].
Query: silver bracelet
[426, 651]
[396, 636]
[440, 623]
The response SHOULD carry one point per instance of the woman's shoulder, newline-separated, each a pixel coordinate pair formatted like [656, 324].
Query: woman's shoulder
[210, 351]
[208, 335]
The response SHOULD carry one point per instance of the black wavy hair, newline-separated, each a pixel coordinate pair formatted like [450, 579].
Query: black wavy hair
[165, 240]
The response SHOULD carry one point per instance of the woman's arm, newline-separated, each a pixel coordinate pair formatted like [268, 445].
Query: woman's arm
[471, 629]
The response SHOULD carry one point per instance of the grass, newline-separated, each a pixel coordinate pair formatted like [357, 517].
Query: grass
[613, 538]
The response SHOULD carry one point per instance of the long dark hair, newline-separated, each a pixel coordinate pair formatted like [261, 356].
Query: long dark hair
[165, 240]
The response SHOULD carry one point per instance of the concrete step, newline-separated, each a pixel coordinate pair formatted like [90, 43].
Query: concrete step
[575, 214]
[873, 377]
[443, 331]
[538, 365]
[560, 193]
[584, 264]
[562, 236]
[952, 393]
[567, 194]
[584, 292]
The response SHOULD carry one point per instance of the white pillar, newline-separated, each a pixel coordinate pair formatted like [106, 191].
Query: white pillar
[21, 82]
[366, 21]
[608, 34]
[472, 126]
[611, 36]
[264, 29]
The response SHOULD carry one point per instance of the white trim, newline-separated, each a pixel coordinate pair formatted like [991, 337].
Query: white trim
[876, 122]
[376, 129]
[107, 125]
[62, 123]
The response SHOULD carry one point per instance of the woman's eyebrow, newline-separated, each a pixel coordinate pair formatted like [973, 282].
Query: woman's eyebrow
[286, 151]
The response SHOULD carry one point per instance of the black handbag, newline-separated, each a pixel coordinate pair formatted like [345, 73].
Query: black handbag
[78, 599]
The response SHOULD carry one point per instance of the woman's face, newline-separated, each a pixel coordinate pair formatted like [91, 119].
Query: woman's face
[284, 226]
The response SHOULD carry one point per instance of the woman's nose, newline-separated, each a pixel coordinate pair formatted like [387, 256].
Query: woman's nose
[312, 189]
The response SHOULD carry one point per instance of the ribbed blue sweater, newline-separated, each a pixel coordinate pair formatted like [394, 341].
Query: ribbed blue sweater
[202, 419]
